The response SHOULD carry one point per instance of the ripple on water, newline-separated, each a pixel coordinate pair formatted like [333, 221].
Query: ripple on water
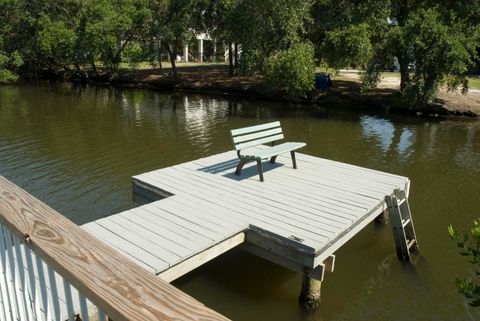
[76, 149]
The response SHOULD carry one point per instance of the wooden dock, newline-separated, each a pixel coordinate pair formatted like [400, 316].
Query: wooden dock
[200, 209]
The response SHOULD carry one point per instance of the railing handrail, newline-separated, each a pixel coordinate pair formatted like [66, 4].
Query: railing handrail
[121, 288]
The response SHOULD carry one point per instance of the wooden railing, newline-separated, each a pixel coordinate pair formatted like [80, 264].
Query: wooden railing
[40, 248]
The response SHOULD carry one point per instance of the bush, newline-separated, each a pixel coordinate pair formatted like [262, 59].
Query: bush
[349, 46]
[469, 245]
[291, 72]
[133, 54]
[9, 66]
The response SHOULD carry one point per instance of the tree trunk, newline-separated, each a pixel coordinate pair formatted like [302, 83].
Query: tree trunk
[173, 55]
[159, 55]
[404, 73]
[117, 60]
[94, 67]
[230, 59]
[214, 50]
[78, 70]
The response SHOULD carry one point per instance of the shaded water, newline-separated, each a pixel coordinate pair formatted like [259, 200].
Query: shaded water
[76, 150]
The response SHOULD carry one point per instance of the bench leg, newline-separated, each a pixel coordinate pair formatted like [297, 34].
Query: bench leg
[294, 161]
[240, 165]
[260, 169]
[272, 160]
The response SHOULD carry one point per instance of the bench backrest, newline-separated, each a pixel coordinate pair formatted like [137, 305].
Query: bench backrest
[256, 135]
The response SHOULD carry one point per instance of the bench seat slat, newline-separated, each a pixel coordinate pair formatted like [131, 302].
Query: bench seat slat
[257, 135]
[271, 151]
[245, 138]
[252, 129]
[259, 142]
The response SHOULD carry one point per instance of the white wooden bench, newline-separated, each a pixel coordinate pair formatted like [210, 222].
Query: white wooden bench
[245, 139]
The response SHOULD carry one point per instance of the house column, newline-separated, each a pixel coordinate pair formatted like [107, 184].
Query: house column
[200, 50]
[185, 53]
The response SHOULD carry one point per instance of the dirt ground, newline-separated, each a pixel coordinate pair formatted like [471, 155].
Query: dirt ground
[454, 101]
[214, 77]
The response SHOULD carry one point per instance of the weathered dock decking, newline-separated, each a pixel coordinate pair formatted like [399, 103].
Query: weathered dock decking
[296, 218]
[51, 269]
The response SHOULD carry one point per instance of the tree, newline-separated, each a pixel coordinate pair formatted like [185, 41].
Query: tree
[173, 24]
[111, 25]
[290, 72]
[438, 49]
[434, 44]
[218, 20]
[265, 27]
[469, 246]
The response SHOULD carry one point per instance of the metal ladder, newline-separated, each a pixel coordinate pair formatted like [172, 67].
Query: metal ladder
[402, 224]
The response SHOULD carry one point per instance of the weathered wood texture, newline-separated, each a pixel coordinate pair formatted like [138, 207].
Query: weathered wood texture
[298, 218]
[118, 286]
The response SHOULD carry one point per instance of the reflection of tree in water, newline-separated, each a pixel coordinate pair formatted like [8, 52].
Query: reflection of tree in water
[379, 129]
[468, 155]
[394, 142]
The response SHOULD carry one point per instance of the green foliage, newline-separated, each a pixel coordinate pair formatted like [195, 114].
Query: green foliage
[56, 41]
[469, 245]
[264, 27]
[438, 52]
[9, 65]
[114, 24]
[291, 71]
[134, 54]
[441, 42]
[348, 46]
[173, 22]
[73, 35]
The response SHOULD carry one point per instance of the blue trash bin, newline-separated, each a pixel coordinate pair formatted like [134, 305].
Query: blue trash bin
[322, 81]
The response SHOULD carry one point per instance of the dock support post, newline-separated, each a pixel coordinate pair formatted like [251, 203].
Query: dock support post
[382, 219]
[309, 298]
[310, 295]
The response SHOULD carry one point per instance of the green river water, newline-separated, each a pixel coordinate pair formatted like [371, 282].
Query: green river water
[76, 149]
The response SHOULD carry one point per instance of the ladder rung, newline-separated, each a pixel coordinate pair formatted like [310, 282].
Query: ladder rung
[400, 202]
[411, 243]
[405, 222]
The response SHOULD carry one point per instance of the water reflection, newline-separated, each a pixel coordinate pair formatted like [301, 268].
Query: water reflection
[378, 129]
[387, 137]
[77, 147]
[468, 155]
[405, 145]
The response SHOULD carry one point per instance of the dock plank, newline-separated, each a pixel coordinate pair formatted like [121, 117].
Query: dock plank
[280, 227]
[278, 200]
[133, 249]
[159, 237]
[228, 195]
[176, 232]
[284, 190]
[310, 211]
[297, 179]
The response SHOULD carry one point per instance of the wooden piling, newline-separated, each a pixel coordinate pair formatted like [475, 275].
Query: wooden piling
[382, 219]
[310, 297]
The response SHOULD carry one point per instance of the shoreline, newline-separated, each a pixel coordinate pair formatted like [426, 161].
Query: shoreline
[345, 91]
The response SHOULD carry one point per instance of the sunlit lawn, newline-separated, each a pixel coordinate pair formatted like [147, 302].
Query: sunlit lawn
[474, 82]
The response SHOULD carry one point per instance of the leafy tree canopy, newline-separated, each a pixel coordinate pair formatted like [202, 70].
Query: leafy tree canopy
[435, 42]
